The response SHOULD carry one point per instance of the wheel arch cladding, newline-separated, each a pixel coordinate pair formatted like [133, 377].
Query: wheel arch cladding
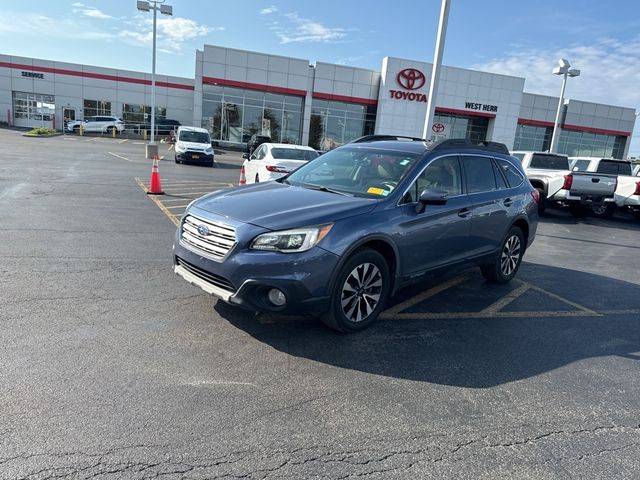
[524, 226]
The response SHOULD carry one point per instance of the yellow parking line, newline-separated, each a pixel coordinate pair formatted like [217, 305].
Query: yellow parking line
[466, 315]
[569, 302]
[170, 147]
[425, 295]
[120, 156]
[156, 200]
[507, 299]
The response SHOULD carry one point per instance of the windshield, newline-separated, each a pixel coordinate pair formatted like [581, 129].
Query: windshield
[194, 137]
[357, 171]
[293, 154]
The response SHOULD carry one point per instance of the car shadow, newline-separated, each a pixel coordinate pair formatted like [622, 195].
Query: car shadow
[470, 352]
[621, 220]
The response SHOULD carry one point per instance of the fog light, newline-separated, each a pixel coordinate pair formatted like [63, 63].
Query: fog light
[277, 297]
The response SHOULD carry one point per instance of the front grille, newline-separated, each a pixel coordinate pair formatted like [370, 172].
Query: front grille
[208, 277]
[216, 240]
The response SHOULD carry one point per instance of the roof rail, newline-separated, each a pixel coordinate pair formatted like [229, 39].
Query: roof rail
[466, 143]
[380, 138]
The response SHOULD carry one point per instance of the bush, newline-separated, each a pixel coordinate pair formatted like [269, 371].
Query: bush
[41, 132]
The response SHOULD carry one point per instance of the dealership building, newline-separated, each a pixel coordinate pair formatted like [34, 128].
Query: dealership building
[236, 93]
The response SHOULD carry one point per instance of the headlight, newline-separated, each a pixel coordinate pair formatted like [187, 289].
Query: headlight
[290, 241]
[208, 151]
[181, 148]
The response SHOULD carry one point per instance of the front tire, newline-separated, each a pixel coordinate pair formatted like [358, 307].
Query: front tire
[508, 259]
[360, 291]
[257, 179]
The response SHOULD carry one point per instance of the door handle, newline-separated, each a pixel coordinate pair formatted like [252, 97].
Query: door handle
[464, 213]
[507, 202]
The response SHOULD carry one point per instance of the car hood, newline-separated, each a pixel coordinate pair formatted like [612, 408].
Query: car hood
[277, 206]
[194, 146]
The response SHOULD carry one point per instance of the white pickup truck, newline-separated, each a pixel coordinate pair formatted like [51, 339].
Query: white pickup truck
[602, 184]
[546, 172]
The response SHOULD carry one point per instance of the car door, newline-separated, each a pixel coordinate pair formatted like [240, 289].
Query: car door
[439, 235]
[489, 202]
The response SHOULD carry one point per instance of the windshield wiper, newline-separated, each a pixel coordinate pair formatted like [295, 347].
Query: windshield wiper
[322, 188]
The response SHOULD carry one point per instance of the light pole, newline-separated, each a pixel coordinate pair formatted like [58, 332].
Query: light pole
[437, 64]
[563, 69]
[145, 6]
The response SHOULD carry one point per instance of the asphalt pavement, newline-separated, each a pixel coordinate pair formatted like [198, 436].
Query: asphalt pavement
[112, 367]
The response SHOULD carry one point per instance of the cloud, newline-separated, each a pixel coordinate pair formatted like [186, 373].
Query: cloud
[610, 73]
[268, 10]
[302, 30]
[28, 23]
[89, 11]
[172, 32]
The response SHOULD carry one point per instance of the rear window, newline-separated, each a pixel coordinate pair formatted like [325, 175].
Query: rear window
[194, 137]
[549, 162]
[293, 154]
[519, 156]
[614, 168]
[513, 176]
[581, 165]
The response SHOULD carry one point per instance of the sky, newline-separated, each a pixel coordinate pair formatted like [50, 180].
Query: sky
[522, 38]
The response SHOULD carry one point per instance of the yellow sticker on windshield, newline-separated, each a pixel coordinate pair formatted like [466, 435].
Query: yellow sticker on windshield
[376, 191]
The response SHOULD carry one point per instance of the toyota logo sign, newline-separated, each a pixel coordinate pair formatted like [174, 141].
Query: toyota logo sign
[410, 78]
[438, 128]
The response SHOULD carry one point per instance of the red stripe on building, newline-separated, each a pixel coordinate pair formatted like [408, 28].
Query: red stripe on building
[535, 123]
[345, 98]
[254, 86]
[472, 113]
[100, 76]
[575, 128]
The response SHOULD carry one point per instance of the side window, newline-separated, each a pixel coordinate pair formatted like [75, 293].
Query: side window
[258, 153]
[513, 176]
[479, 172]
[500, 181]
[441, 174]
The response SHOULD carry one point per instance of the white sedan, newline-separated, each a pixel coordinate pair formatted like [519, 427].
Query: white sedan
[274, 160]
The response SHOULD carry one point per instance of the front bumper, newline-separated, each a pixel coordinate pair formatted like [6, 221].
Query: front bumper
[195, 157]
[245, 277]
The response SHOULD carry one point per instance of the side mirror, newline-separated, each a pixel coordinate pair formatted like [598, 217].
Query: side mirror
[431, 197]
[245, 156]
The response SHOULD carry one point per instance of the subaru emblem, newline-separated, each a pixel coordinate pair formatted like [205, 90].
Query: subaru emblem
[203, 230]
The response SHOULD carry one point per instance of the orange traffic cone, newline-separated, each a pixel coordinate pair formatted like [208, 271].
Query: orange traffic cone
[154, 185]
[243, 179]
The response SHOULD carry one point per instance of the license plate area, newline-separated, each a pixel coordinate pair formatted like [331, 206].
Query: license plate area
[195, 157]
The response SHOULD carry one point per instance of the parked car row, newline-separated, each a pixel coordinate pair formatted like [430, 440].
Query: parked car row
[107, 124]
[583, 183]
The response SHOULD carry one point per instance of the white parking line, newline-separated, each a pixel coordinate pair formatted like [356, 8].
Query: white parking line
[123, 140]
[120, 156]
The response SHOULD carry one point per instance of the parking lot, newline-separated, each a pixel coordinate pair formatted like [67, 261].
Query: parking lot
[113, 367]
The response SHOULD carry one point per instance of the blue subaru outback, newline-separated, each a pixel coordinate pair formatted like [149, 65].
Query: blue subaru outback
[342, 233]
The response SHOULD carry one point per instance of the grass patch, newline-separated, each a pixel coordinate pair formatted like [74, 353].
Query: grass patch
[41, 132]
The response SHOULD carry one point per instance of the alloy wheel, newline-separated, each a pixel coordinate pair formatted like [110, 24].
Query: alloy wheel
[361, 292]
[510, 255]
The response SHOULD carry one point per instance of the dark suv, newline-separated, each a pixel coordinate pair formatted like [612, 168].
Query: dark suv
[342, 233]
[255, 141]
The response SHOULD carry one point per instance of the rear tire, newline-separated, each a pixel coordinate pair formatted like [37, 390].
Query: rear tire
[604, 210]
[360, 292]
[542, 203]
[508, 259]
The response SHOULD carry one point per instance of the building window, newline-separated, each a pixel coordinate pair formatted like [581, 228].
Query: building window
[93, 108]
[587, 144]
[32, 108]
[139, 114]
[530, 137]
[336, 123]
[234, 114]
